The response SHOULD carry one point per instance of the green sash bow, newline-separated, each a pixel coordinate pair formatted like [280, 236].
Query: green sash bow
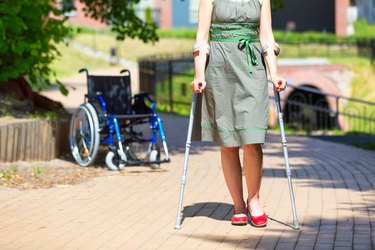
[242, 33]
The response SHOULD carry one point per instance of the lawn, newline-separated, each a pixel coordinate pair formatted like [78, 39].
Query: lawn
[71, 60]
[363, 84]
[362, 87]
[132, 49]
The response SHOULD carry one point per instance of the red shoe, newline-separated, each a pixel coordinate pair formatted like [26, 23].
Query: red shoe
[239, 219]
[259, 221]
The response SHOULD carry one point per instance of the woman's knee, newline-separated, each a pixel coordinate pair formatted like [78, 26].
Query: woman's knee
[252, 148]
[229, 149]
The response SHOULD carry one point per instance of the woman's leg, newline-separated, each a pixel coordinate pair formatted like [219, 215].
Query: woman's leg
[253, 163]
[231, 165]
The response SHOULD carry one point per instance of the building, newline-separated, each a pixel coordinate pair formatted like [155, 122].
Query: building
[366, 10]
[319, 15]
[171, 13]
[323, 15]
[166, 13]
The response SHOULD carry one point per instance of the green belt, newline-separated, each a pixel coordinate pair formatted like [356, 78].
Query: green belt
[242, 33]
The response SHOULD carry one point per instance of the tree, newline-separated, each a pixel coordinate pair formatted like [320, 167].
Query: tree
[276, 4]
[29, 31]
[122, 18]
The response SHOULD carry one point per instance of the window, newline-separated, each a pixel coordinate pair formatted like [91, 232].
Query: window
[193, 11]
[69, 6]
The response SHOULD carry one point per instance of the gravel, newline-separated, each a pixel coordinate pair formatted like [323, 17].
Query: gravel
[58, 172]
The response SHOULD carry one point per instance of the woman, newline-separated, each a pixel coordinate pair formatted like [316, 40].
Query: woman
[232, 110]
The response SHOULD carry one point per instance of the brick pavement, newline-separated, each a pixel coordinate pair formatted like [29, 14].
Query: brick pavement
[136, 208]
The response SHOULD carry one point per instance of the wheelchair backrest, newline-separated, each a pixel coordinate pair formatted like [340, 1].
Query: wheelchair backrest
[115, 90]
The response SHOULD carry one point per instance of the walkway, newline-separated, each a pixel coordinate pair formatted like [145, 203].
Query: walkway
[136, 208]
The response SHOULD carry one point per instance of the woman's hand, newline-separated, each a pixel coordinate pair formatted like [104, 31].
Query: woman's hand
[279, 83]
[197, 86]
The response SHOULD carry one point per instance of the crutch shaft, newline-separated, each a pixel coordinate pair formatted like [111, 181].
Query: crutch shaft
[286, 159]
[186, 159]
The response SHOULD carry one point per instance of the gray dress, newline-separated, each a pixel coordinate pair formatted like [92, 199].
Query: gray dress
[233, 109]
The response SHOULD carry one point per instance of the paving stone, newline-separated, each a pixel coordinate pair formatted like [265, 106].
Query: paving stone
[138, 210]
[323, 246]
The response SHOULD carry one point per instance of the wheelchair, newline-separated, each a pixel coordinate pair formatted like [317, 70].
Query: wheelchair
[111, 116]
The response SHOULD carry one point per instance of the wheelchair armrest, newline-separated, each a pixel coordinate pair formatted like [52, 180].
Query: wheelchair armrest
[147, 96]
[99, 98]
[91, 96]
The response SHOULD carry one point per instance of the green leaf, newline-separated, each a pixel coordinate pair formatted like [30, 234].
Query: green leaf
[6, 8]
[30, 29]
[63, 89]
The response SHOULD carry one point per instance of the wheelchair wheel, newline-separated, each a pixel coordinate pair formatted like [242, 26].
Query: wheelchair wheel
[155, 156]
[113, 161]
[84, 135]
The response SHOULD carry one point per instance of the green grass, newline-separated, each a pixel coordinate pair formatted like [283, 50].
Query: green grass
[362, 87]
[177, 33]
[317, 50]
[132, 49]
[72, 60]
[363, 29]
[363, 84]
[181, 93]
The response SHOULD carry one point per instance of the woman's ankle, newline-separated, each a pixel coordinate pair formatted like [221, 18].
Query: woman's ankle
[255, 207]
[240, 208]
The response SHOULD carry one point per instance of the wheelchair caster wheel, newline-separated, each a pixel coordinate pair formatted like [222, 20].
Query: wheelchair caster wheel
[155, 156]
[112, 161]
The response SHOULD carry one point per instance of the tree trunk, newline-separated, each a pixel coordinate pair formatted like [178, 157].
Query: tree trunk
[21, 90]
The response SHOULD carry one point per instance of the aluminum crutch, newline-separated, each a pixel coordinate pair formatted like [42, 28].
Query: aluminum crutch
[187, 151]
[286, 158]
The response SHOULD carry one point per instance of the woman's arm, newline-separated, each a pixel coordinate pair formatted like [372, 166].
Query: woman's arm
[201, 45]
[266, 38]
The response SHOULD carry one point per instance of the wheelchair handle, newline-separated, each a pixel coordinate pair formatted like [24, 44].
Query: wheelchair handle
[125, 71]
[84, 70]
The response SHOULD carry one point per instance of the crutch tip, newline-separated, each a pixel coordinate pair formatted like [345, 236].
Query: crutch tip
[296, 227]
[177, 227]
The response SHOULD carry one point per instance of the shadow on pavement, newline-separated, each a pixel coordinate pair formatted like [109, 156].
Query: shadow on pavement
[217, 211]
[214, 210]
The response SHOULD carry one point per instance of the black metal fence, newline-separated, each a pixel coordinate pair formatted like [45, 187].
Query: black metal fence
[306, 108]
[167, 78]
[310, 109]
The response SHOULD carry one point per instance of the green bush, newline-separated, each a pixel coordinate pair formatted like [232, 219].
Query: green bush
[177, 33]
[28, 33]
[364, 33]
[363, 29]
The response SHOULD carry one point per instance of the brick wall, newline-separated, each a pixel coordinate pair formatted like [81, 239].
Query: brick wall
[341, 17]
[80, 18]
[165, 7]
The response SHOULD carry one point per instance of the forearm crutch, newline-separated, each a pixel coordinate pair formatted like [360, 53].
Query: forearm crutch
[187, 151]
[286, 159]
